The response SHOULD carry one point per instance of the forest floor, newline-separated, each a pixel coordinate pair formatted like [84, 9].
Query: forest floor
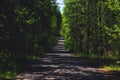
[62, 65]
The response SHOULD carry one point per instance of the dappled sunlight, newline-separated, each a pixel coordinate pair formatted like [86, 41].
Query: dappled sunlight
[60, 47]
[27, 76]
[62, 66]
[60, 43]
[53, 66]
[71, 71]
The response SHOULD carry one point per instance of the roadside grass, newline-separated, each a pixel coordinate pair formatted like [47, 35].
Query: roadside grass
[7, 75]
[30, 59]
[113, 67]
[7, 66]
[108, 63]
[33, 57]
[18, 66]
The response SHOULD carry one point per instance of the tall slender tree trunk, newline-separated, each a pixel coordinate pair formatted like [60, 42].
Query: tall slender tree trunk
[88, 29]
[101, 29]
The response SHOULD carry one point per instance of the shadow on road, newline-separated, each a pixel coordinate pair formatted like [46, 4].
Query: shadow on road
[61, 65]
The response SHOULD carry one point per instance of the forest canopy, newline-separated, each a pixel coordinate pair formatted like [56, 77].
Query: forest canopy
[92, 26]
[27, 27]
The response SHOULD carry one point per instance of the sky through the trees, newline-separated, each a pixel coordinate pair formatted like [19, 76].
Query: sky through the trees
[60, 4]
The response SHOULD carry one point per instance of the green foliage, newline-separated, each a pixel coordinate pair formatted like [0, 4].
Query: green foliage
[113, 5]
[107, 63]
[92, 31]
[113, 67]
[7, 66]
[92, 26]
[27, 27]
[5, 61]
[82, 55]
[8, 75]
[33, 57]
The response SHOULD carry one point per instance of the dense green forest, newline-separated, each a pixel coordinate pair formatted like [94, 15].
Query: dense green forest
[32, 27]
[27, 27]
[92, 27]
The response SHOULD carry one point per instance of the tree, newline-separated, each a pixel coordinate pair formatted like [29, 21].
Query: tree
[26, 28]
[91, 26]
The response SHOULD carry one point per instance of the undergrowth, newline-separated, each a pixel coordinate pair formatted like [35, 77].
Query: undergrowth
[10, 68]
[106, 62]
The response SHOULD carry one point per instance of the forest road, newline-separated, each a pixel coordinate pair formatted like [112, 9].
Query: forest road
[61, 65]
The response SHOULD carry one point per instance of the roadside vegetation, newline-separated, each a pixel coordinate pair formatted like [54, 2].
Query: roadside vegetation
[92, 30]
[27, 28]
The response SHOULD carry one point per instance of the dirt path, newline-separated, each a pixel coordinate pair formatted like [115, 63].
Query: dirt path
[61, 65]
